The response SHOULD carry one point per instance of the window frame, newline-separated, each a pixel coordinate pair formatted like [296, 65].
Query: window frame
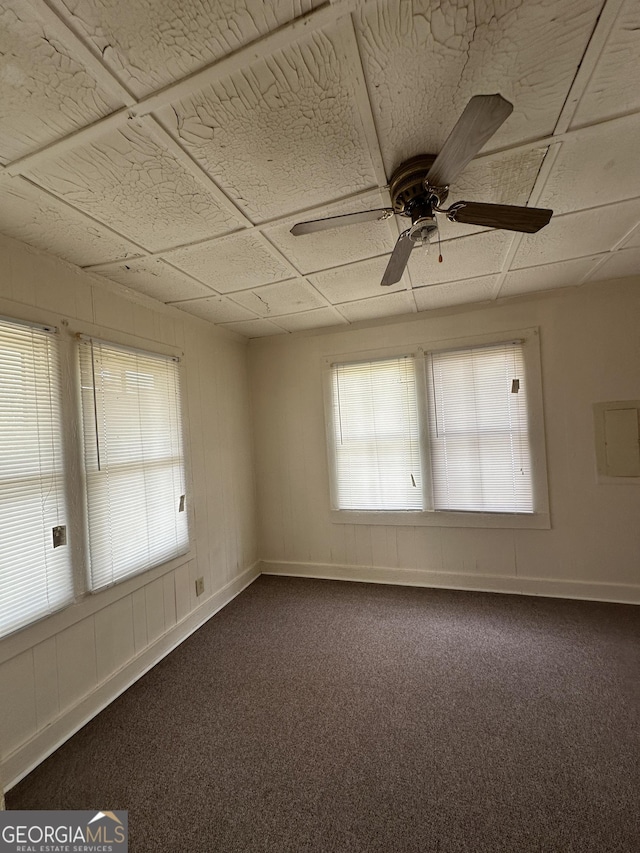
[539, 519]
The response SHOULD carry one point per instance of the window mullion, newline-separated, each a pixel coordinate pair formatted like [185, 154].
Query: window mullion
[423, 391]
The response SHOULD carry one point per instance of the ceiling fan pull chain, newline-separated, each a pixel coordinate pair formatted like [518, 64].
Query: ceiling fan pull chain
[439, 246]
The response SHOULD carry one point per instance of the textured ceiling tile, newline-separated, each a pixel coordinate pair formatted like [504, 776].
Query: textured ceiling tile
[547, 276]
[501, 179]
[235, 264]
[619, 265]
[380, 306]
[254, 328]
[151, 43]
[469, 257]
[134, 185]
[613, 88]
[358, 281]
[424, 60]
[283, 133]
[216, 309]
[311, 252]
[287, 297]
[576, 235]
[44, 91]
[598, 166]
[455, 293]
[155, 278]
[31, 215]
[311, 320]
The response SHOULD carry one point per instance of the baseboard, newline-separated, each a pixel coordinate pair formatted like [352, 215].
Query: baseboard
[23, 760]
[618, 593]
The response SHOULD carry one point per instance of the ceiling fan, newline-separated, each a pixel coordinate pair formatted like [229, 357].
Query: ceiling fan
[419, 188]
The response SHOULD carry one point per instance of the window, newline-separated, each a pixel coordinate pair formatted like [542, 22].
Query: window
[35, 568]
[375, 421]
[134, 465]
[478, 429]
[449, 435]
[134, 468]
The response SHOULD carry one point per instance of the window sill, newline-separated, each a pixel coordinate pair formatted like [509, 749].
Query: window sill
[141, 577]
[535, 521]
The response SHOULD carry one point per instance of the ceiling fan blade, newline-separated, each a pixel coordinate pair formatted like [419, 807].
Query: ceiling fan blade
[507, 216]
[480, 119]
[337, 221]
[398, 260]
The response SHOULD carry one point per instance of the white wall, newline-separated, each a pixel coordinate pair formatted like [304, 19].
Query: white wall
[57, 673]
[590, 350]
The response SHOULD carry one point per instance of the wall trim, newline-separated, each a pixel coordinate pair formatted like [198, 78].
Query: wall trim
[16, 765]
[549, 588]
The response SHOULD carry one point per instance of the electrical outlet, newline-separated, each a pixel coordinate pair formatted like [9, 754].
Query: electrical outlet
[199, 586]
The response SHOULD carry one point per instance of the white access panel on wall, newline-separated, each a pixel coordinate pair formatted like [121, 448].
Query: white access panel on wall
[617, 433]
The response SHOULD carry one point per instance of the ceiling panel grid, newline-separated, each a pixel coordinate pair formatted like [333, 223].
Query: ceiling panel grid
[172, 147]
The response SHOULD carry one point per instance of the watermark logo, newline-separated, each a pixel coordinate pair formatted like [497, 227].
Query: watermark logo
[63, 832]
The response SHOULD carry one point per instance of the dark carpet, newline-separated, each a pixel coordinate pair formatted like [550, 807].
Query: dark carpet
[325, 716]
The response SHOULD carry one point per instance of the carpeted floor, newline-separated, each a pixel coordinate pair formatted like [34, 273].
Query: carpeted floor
[321, 716]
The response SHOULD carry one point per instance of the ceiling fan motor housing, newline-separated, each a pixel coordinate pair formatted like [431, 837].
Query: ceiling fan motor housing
[407, 185]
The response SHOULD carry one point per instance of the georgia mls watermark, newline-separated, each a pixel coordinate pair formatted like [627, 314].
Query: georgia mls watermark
[63, 832]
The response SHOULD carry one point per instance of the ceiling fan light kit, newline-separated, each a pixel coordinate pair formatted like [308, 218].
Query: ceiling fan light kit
[420, 186]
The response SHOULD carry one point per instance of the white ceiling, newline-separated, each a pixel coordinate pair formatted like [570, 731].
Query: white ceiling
[171, 146]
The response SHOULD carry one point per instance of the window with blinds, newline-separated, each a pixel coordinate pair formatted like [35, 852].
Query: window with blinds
[35, 577]
[375, 435]
[458, 440]
[134, 465]
[478, 429]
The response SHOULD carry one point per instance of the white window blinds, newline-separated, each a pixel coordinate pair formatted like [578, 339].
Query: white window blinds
[478, 426]
[133, 460]
[375, 435]
[35, 577]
